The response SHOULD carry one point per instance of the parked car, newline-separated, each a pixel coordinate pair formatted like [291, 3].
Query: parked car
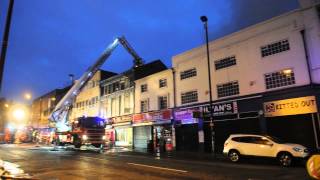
[238, 145]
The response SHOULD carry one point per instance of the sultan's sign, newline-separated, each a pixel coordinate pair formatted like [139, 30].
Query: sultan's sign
[222, 109]
[302, 105]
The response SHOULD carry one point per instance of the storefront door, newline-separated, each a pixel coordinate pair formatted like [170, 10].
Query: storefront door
[142, 136]
[187, 137]
[123, 136]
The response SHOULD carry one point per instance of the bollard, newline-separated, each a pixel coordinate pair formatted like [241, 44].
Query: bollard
[157, 152]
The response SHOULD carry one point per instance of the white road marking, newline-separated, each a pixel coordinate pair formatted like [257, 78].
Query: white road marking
[157, 167]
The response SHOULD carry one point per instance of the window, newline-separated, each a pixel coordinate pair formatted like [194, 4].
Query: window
[144, 88]
[189, 97]
[275, 48]
[279, 78]
[246, 139]
[260, 140]
[127, 103]
[225, 62]
[144, 106]
[162, 83]
[109, 89]
[122, 85]
[163, 102]
[116, 86]
[228, 89]
[188, 73]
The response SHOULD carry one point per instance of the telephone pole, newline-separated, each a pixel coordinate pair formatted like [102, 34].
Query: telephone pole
[5, 40]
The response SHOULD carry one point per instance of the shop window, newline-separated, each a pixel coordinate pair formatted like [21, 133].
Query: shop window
[163, 102]
[188, 73]
[228, 89]
[275, 48]
[225, 62]
[144, 106]
[144, 88]
[162, 83]
[279, 79]
[189, 97]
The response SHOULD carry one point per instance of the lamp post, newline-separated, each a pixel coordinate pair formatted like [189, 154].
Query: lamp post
[5, 40]
[204, 19]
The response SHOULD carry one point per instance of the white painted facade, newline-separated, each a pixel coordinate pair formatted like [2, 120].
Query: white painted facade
[250, 66]
[87, 102]
[121, 101]
[154, 91]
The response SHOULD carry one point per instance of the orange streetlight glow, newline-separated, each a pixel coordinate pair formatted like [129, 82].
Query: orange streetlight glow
[27, 96]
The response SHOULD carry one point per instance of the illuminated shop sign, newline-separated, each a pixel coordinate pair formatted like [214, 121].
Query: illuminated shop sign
[120, 119]
[152, 116]
[186, 116]
[222, 108]
[293, 106]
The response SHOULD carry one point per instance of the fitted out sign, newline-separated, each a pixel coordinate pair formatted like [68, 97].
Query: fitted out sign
[302, 105]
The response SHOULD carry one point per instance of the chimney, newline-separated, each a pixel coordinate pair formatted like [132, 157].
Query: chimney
[308, 3]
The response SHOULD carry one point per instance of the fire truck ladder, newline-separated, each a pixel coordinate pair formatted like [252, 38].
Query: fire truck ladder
[60, 113]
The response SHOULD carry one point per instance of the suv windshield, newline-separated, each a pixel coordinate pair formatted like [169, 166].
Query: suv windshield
[275, 139]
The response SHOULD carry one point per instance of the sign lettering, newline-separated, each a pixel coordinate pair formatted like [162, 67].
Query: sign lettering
[293, 106]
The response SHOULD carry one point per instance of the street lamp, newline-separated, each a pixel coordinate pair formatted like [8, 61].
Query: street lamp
[19, 114]
[27, 96]
[204, 20]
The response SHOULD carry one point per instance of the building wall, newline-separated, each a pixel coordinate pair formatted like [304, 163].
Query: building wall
[3, 115]
[154, 91]
[250, 65]
[311, 18]
[87, 102]
[41, 109]
[119, 102]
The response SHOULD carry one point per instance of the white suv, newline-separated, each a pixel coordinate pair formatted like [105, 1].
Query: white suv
[265, 146]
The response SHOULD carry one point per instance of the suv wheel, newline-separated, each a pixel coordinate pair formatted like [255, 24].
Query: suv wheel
[234, 156]
[285, 159]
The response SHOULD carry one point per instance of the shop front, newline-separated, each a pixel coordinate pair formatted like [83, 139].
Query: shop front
[295, 120]
[230, 117]
[188, 133]
[123, 130]
[152, 130]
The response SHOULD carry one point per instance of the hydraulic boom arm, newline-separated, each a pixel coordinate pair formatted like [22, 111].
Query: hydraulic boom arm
[60, 113]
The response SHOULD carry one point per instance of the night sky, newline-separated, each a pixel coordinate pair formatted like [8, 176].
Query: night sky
[50, 39]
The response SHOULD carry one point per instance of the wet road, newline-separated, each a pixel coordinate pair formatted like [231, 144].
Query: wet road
[43, 163]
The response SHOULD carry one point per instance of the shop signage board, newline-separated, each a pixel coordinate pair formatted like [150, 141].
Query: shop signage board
[121, 119]
[293, 106]
[186, 116]
[222, 108]
[152, 116]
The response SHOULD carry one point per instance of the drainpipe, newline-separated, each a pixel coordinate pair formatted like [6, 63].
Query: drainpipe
[174, 107]
[306, 52]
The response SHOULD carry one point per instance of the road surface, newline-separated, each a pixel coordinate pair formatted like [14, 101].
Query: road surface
[44, 163]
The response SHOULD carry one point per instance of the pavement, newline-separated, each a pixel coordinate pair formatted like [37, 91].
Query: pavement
[45, 162]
